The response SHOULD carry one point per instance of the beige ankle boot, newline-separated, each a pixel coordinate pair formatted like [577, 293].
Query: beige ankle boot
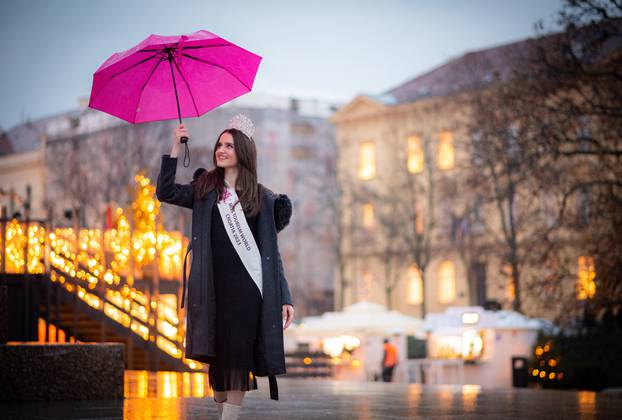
[230, 411]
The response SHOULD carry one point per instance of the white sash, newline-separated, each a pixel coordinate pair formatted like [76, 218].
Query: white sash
[240, 234]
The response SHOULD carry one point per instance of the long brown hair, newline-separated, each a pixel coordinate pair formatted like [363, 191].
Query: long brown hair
[246, 182]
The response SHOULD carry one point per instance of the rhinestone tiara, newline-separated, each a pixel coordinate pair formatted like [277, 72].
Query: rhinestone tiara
[244, 124]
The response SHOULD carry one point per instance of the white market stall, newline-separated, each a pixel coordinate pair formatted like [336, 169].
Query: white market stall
[471, 345]
[354, 338]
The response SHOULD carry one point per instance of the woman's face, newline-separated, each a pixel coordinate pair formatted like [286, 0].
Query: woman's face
[225, 152]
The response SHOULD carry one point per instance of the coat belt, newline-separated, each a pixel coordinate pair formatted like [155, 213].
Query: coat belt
[274, 389]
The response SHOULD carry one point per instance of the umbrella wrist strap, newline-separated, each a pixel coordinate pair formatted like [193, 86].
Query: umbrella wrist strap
[186, 155]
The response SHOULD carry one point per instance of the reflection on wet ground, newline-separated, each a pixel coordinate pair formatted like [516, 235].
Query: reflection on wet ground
[172, 395]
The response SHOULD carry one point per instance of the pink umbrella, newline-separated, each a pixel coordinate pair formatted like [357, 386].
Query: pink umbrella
[166, 77]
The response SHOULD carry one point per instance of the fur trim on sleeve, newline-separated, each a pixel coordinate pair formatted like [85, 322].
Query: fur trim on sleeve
[197, 174]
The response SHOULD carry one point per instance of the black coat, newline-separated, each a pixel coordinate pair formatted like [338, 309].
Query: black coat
[201, 299]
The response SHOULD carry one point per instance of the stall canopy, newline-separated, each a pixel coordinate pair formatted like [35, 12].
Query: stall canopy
[455, 319]
[360, 319]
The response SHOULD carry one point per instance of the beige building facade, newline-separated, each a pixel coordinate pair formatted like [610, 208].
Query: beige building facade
[403, 157]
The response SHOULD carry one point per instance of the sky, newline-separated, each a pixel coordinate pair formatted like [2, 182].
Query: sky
[325, 49]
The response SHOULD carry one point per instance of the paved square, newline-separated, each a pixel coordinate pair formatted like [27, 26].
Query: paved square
[158, 398]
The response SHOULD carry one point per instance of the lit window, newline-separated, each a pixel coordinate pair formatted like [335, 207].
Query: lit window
[446, 154]
[447, 275]
[509, 278]
[368, 215]
[367, 160]
[419, 218]
[415, 286]
[415, 155]
[586, 286]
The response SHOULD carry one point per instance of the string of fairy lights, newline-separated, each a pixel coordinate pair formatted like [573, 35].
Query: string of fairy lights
[91, 261]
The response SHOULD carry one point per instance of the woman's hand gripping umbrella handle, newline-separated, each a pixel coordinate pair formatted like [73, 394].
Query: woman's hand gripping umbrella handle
[180, 136]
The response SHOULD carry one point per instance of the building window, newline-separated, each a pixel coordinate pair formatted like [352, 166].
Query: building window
[586, 286]
[419, 218]
[367, 160]
[446, 153]
[509, 281]
[447, 275]
[415, 286]
[368, 216]
[365, 285]
[415, 155]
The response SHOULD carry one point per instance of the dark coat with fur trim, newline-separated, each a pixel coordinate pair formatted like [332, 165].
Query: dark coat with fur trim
[201, 299]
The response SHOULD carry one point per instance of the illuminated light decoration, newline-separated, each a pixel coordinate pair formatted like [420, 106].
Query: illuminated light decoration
[36, 248]
[472, 344]
[167, 329]
[350, 342]
[552, 375]
[356, 363]
[448, 347]
[169, 347]
[140, 329]
[307, 361]
[542, 374]
[334, 346]
[539, 351]
[198, 389]
[470, 318]
[14, 247]
[84, 254]
[535, 372]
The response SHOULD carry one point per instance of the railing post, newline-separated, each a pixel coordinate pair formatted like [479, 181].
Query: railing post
[156, 289]
[47, 271]
[101, 286]
[27, 230]
[3, 221]
[76, 229]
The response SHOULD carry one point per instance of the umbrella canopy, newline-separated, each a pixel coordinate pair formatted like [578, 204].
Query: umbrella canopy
[360, 319]
[166, 77]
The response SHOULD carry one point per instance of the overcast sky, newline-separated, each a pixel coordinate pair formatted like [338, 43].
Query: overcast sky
[327, 49]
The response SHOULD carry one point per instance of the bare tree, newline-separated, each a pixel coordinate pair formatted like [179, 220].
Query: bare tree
[553, 129]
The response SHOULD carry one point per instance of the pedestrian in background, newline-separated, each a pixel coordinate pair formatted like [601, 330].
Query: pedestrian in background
[389, 360]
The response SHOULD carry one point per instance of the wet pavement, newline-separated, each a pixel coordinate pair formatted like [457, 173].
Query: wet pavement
[171, 396]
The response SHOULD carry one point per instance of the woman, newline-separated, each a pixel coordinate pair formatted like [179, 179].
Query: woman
[239, 300]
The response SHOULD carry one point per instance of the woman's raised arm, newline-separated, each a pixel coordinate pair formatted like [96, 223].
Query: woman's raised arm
[167, 190]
